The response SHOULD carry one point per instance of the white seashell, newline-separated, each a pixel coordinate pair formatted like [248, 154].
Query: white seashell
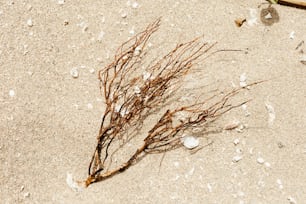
[291, 35]
[190, 142]
[74, 72]
[291, 200]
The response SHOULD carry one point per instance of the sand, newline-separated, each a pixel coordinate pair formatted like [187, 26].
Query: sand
[50, 119]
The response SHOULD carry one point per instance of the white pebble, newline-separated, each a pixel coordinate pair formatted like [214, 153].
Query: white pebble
[209, 187]
[74, 72]
[190, 142]
[280, 184]
[61, 2]
[30, 22]
[123, 14]
[303, 59]
[146, 76]
[12, 93]
[245, 109]
[237, 158]
[137, 51]
[267, 164]
[260, 160]
[176, 164]
[268, 16]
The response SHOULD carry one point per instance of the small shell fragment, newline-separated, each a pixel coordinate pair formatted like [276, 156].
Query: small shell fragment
[237, 158]
[292, 35]
[74, 72]
[291, 200]
[11, 93]
[271, 113]
[30, 22]
[61, 2]
[72, 184]
[190, 142]
[260, 160]
[243, 79]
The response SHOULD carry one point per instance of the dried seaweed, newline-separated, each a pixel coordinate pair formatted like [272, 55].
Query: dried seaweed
[131, 96]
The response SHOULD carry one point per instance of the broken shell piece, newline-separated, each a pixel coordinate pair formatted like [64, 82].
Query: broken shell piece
[232, 125]
[271, 113]
[303, 59]
[146, 76]
[237, 158]
[30, 22]
[252, 20]
[72, 184]
[260, 160]
[243, 79]
[137, 90]
[74, 72]
[236, 141]
[137, 51]
[12, 93]
[291, 35]
[190, 142]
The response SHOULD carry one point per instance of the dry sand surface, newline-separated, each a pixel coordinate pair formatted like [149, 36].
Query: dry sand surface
[49, 120]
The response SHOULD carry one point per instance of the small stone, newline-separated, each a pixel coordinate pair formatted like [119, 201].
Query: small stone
[137, 90]
[267, 164]
[12, 93]
[236, 141]
[190, 142]
[237, 158]
[21, 188]
[74, 72]
[260, 160]
[30, 22]
[123, 14]
[61, 2]
[243, 79]
[303, 59]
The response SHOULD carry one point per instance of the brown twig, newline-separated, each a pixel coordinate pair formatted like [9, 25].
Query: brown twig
[130, 98]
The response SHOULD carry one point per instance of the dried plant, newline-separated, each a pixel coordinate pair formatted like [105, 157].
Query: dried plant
[132, 94]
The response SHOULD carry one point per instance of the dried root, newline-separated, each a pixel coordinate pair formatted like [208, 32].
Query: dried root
[131, 96]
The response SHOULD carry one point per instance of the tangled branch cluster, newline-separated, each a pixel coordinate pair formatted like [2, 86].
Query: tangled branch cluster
[131, 95]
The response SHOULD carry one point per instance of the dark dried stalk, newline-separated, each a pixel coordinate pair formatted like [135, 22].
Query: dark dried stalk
[130, 98]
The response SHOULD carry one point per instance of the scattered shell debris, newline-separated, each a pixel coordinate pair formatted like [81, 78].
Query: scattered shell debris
[237, 158]
[11, 93]
[190, 142]
[30, 22]
[260, 160]
[74, 72]
[271, 112]
[73, 184]
[243, 79]
[252, 20]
